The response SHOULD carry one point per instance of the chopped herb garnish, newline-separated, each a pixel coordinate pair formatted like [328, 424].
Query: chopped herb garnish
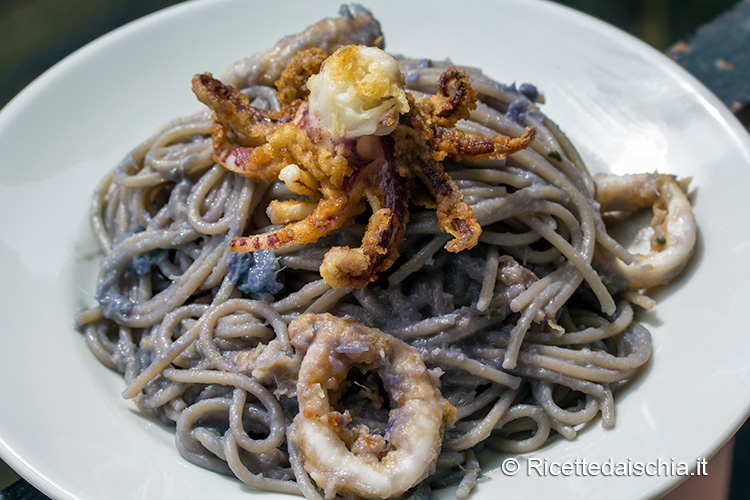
[555, 155]
[660, 240]
[494, 313]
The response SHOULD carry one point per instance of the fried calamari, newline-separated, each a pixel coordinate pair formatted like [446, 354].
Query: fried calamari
[347, 135]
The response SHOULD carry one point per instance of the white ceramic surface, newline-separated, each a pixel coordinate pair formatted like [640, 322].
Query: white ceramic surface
[63, 425]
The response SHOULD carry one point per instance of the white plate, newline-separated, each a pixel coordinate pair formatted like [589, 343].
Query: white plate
[63, 425]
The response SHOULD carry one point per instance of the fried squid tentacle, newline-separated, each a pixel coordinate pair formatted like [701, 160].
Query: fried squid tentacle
[232, 108]
[450, 106]
[460, 146]
[348, 135]
[355, 268]
[330, 214]
[437, 115]
[455, 217]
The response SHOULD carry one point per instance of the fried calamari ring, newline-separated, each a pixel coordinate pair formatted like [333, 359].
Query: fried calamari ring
[354, 461]
[672, 233]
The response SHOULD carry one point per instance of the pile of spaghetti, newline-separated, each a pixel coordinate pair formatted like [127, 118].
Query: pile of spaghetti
[376, 356]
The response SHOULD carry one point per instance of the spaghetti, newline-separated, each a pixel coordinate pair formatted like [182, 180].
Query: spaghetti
[527, 335]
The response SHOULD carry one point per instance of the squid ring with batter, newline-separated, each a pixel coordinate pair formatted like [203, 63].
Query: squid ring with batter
[355, 461]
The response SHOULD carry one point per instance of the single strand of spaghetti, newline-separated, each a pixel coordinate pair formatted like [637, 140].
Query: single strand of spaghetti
[210, 441]
[121, 216]
[503, 297]
[371, 303]
[302, 297]
[471, 475]
[519, 330]
[129, 175]
[623, 318]
[112, 205]
[96, 213]
[465, 327]
[572, 281]
[126, 353]
[509, 239]
[481, 429]
[188, 446]
[425, 327]
[543, 395]
[218, 272]
[305, 485]
[328, 300]
[538, 438]
[457, 359]
[248, 326]
[587, 387]
[232, 454]
[304, 263]
[529, 256]
[164, 395]
[607, 405]
[492, 176]
[640, 345]
[236, 428]
[480, 192]
[490, 278]
[92, 334]
[565, 430]
[481, 400]
[418, 260]
[87, 316]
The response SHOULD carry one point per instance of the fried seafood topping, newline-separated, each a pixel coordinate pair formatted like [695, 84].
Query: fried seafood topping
[350, 459]
[670, 238]
[348, 135]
